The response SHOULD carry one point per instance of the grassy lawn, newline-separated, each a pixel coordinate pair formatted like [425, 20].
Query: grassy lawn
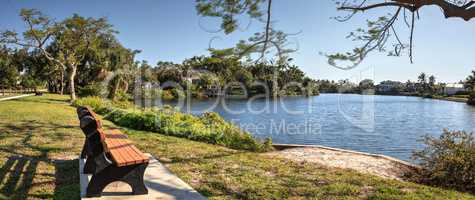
[40, 141]
[452, 98]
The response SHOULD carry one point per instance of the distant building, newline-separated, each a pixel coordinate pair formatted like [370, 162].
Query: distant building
[388, 86]
[452, 88]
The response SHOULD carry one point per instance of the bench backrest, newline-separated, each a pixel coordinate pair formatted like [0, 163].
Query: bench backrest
[92, 129]
[87, 111]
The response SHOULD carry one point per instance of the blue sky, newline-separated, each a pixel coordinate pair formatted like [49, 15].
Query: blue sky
[172, 31]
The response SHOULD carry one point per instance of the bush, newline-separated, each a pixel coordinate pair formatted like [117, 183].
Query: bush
[448, 161]
[209, 127]
[428, 96]
[94, 102]
[471, 99]
[461, 96]
[462, 93]
[90, 90]
[123, 96]
[166, 95]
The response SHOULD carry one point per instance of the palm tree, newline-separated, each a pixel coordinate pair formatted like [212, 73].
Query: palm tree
[422, 80]
[469, 83]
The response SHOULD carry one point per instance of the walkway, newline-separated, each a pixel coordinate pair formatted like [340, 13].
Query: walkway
[15, 97]
[161, 184]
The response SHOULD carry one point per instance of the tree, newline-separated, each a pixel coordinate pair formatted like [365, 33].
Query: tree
[366, 84]
[422, 81]
[469, 83]
[9, 73]
[431, 84]
[74, 37]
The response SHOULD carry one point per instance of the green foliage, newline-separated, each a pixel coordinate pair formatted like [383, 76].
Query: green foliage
[94, 102]
[463, 96]
[210, 127]
[462, 93]
[471, 99]
[228, 10]
[123, 96]
[79, 47]
[166, 95]
[90, 90]
[469, 83]
[8, 72]
[448, 160]
[373, 38]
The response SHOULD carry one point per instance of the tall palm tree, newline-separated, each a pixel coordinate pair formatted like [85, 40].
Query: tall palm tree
[470, 82]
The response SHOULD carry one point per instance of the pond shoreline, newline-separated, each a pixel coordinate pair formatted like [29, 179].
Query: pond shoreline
[453, 99]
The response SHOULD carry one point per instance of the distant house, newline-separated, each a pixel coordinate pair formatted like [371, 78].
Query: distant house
[452, 88]
[388, 86]
[193, 77]
[198, 76]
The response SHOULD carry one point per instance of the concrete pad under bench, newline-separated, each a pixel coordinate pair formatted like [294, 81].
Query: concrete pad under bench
[160, 182]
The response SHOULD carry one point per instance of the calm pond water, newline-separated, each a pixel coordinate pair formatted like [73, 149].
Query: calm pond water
[389, 125]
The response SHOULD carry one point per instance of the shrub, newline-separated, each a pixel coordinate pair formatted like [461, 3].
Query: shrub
[89, 90]
[448, 161]
[462, 93]
[177, 93]
[209, 127]
[166, 95]
[461, 96]
[94, 102]
[471, 99]
[123, 96]
[428, 96]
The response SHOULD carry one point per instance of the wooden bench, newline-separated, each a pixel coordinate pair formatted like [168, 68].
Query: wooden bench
[110, 156]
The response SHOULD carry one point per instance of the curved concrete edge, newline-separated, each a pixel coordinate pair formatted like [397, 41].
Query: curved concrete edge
[401, 162]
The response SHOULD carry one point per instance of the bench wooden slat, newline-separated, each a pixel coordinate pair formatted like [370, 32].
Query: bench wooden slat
[113, 148]
[143, 157]
[122, 150]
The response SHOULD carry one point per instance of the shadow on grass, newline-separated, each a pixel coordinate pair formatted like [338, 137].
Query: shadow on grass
[21, 174]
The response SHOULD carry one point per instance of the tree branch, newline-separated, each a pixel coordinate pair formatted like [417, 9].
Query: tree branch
[466, 12]
[266, 39]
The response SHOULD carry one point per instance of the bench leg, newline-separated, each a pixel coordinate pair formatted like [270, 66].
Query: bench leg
[89, 166]
[83, 152]
[132, 175]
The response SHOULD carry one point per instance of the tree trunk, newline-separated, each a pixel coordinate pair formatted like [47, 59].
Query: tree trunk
[72, 76]
[115, 88]
[126, 86]
[61, 84]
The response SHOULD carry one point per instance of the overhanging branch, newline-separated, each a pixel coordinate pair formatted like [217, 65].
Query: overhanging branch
[466, 11]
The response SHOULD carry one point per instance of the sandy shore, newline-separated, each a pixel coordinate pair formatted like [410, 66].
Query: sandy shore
[378, 165]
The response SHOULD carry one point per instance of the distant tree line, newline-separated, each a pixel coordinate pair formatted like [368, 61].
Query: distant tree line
[223, 69]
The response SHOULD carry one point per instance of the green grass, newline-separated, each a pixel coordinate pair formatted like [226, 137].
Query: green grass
[40, 138]
[458, 98]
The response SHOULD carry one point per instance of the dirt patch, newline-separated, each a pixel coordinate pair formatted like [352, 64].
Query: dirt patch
[368, 164]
